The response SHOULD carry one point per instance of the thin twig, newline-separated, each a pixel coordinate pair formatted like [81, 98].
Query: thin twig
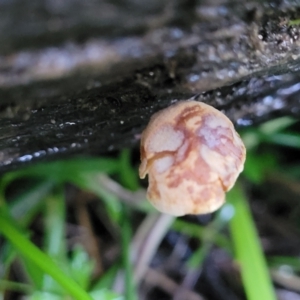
[287, 280]
[146, 241]
[127, 196]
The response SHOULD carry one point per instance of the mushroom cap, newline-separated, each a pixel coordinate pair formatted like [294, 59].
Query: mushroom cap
[192, 155]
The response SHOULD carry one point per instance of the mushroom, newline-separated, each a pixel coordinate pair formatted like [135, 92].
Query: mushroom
[192, 155]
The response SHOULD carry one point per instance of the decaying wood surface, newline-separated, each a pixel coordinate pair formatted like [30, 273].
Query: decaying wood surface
[85, 76]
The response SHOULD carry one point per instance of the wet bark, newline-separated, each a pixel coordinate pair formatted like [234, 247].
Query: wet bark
[85, 76]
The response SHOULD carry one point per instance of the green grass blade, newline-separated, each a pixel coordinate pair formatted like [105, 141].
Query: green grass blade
[65, 170]
[104, 283]
[248, 251]
[130, 289]
[25, 206]
[128, 174]
[209, 236]
[276, 125]
[198, 231]
[33, 273]
[55, 226]
[288, 139]
[90, 182]
[107, 279]
[31, 252]
[15, 286]
[293, 263]
[81, 267]
[54, 238]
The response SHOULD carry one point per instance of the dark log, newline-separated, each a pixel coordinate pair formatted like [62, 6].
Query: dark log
[81, 77]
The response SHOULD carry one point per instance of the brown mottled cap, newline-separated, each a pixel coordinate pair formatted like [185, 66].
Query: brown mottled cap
[192, 155]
